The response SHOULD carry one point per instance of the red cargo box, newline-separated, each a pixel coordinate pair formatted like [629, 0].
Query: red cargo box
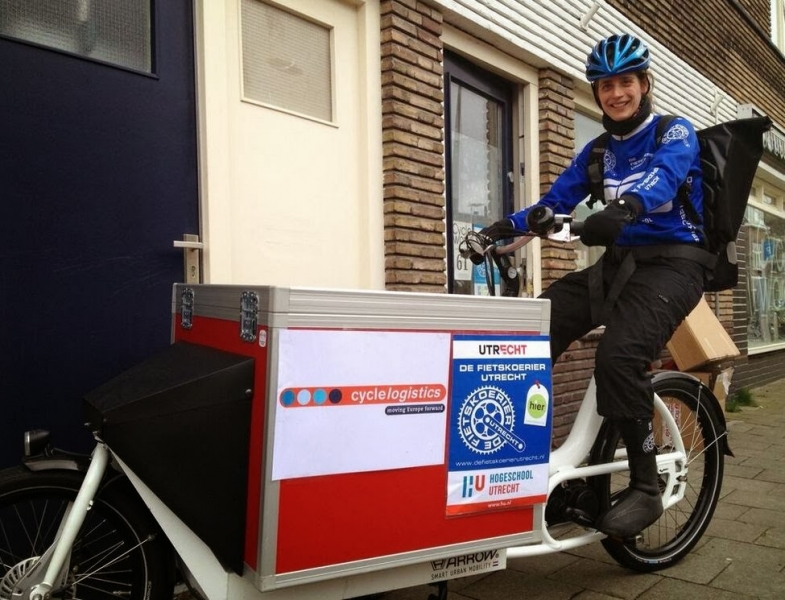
[388, 430]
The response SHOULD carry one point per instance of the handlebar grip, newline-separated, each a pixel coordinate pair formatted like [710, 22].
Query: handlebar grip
[540, 220]
[576, 227]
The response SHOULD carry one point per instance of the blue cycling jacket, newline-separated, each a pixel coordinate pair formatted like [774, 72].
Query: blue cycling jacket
[637, 165]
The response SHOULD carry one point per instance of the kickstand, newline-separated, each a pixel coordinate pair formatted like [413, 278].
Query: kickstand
[441, 592]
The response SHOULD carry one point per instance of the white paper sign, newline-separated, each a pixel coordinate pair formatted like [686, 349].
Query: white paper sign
[355, 401]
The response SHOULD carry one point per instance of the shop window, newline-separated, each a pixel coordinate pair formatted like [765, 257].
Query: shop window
[287, 61]
[765, 233]
[110, 31]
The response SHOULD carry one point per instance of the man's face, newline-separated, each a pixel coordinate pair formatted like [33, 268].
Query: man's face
[620, 95]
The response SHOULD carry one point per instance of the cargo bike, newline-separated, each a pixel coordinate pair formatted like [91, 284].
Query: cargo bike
[309, 443]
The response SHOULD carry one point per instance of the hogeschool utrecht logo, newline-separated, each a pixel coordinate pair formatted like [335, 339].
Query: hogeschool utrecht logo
[472, 484]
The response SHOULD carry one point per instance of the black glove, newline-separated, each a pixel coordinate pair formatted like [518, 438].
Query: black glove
[500, 230]
[602, 228]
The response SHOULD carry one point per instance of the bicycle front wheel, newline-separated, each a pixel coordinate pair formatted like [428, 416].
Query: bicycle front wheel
[119, 552]
[676, 532]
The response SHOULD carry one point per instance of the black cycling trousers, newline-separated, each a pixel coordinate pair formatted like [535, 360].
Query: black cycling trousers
[651, 305]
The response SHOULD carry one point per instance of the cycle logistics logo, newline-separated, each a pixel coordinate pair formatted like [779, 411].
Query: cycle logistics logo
[397, 399]
[500, 425]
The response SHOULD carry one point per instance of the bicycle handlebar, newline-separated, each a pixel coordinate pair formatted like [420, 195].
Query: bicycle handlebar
[543, 222]
[561, 228]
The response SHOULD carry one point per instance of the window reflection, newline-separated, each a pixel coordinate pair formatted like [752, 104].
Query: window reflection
[765, 277]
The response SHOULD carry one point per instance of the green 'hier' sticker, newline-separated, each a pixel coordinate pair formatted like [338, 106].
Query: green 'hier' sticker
[536, 406]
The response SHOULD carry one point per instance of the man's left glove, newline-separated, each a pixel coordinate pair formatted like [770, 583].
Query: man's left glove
[602, 228]
[500, 230]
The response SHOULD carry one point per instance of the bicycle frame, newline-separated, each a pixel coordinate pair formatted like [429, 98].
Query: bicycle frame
[49, 571]
[565, 464]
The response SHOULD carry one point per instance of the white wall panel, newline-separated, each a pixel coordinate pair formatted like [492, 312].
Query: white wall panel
[548, 32]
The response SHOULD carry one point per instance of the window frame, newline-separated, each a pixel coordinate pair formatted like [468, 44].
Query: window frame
[501, 90]
[778, 24]
[306, 17]
[774, 209]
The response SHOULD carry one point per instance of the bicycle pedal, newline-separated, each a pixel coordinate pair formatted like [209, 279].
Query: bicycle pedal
[580, 517]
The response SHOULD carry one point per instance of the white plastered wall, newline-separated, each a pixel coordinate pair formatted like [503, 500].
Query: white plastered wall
[288, 200]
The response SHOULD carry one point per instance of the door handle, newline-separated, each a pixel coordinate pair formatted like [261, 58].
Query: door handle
[187, 244]
[191, 247]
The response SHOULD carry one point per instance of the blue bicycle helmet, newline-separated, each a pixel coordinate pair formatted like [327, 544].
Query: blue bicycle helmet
[615, 55]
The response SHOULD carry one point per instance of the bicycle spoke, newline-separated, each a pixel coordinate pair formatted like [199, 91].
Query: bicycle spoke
[715, 442]
[92, 573]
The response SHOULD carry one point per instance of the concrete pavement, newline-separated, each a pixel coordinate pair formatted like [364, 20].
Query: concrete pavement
[740, 557]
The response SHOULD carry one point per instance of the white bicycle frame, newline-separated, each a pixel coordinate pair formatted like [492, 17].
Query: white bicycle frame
[566, 463]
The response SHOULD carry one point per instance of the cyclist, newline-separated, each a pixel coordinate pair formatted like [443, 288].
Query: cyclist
[639, 290]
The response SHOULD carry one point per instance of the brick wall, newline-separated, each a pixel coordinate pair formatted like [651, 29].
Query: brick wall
[413, 147]
[557, 147]
[718, 39]
[760, 12]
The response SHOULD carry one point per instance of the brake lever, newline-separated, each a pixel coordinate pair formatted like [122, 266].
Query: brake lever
[567, 232]
[475, 246]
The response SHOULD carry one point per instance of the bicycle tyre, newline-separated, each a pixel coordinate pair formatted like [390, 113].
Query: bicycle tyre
[119, 551]
[676, 532]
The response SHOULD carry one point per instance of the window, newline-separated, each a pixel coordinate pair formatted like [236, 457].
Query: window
[764, 226]
[586, 129]
[110, 31]
[778, 24]
[287, 61]
[479, 155]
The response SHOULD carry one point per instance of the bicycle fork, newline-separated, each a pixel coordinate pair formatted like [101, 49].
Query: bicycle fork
[48, 572]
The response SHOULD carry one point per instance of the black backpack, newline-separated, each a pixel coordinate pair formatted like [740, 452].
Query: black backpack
[729, 154]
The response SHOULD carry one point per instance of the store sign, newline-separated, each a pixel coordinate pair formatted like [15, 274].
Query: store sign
[773, 139]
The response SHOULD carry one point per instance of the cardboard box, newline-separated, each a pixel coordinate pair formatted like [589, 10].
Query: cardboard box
[700, 339]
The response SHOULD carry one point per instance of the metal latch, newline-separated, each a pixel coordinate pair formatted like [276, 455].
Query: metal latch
[249, 308]
[187, 308]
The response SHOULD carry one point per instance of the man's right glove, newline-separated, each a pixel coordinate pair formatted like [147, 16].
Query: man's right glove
[500, 230]
[602, 228]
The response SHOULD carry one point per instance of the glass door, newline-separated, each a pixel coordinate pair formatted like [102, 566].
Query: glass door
[479, 178]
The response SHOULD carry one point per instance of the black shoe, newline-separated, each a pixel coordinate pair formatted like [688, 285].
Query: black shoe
[631, 515]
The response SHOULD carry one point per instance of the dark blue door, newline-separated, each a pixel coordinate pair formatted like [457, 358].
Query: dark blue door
[98, 175]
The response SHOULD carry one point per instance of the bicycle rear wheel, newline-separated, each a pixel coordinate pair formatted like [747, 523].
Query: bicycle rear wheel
[680, 527]
[119, 552]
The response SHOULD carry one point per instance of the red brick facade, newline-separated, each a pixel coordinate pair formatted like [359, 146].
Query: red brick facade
[413, 147]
